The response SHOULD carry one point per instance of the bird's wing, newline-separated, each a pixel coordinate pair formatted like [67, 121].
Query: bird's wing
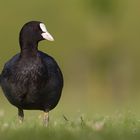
[50, 63]
[52, 66]
[7, 67]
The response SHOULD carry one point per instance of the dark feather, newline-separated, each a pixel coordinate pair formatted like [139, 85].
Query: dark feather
[32, 79]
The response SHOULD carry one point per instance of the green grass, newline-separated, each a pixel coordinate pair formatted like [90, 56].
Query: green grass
[119, 126]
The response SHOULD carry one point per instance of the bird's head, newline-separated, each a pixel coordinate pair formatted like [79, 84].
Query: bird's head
[33, 32]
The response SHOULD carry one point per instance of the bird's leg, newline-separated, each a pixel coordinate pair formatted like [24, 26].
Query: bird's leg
[20, 115]
[46, 119]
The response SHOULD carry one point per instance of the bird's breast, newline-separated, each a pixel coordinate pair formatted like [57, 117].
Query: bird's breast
[28, 78]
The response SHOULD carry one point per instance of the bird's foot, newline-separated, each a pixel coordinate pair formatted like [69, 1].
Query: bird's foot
[20, 115]
[20, 119]
[46, 119]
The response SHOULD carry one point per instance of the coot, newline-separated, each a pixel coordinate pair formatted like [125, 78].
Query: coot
[32, 80]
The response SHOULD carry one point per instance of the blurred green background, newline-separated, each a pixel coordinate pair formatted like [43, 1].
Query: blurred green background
[97, 45]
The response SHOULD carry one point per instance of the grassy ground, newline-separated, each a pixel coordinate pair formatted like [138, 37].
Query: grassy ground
[114, 127]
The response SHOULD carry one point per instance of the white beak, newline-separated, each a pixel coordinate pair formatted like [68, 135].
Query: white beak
[46, 35]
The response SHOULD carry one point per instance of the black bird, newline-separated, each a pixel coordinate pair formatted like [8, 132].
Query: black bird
[32, 80]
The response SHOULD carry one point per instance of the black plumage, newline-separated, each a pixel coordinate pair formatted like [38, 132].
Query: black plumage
[32, 79]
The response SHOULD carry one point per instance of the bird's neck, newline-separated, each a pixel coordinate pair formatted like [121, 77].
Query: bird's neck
[29, 49]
